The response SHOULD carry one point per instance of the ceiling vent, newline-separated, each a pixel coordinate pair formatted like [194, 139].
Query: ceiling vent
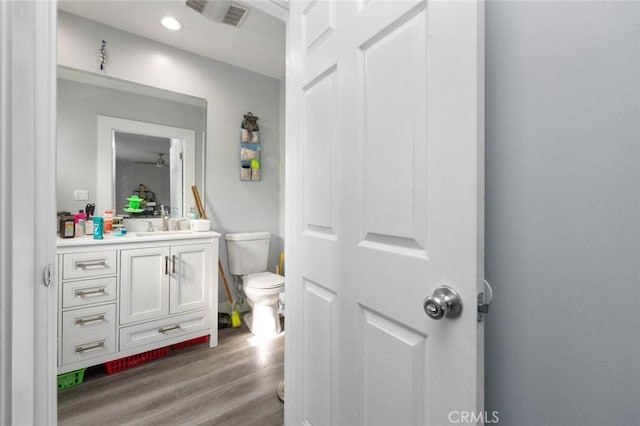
[220, 10]
[235, 15]
[197, 5]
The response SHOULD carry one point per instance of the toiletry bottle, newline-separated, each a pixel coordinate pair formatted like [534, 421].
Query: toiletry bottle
[98, 224]
[108, 221]
[192, 214]
[88, 226]
[67, 225]
[165, 218]
[79, 221]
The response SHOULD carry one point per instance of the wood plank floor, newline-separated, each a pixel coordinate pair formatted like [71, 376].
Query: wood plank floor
[233, 384]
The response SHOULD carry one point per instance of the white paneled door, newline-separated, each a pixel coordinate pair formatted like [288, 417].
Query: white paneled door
[384, 205]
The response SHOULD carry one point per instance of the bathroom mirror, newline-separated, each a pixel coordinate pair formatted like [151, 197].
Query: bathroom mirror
[117, 139]
[152, 159]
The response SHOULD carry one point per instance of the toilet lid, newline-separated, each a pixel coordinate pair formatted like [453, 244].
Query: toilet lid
[263, 280]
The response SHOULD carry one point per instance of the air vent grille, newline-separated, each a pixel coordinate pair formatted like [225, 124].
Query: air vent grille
[235, 15]
[197, 5]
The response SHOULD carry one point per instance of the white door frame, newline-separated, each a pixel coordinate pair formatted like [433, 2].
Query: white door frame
[27, 217]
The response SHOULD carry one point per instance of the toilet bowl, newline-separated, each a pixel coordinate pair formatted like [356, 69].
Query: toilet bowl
[248, 256]
[263, 296]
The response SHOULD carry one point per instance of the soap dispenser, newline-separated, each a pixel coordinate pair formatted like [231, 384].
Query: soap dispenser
[165, 218]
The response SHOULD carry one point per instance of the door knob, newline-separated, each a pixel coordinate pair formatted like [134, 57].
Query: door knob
[444, 302]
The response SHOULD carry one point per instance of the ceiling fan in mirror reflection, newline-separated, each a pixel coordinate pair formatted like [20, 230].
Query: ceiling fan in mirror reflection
[160, 161]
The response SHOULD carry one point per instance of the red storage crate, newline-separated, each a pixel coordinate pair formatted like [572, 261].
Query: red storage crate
[191, 342]
[125, 363]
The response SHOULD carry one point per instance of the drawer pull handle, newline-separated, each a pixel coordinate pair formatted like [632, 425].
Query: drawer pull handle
[165, 329]
[90, 293]
[173, 263]
[85, 321]
[101, 262]
[166, 265]
[97, 345]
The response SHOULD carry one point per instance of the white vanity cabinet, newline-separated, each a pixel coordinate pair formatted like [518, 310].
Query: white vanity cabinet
[125, 295]
[158, 283]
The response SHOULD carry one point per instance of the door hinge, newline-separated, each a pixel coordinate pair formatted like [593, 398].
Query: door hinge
[485, 297]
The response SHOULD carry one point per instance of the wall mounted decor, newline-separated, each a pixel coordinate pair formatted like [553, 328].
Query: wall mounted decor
[250, 165]
[102, 55]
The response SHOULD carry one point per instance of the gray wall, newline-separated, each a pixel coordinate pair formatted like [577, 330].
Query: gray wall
[232, 205]
[563, 212]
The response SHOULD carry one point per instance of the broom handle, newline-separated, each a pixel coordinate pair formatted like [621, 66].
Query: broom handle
[196, 196]
[226, 284]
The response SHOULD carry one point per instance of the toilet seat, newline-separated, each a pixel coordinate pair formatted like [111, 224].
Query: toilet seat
[263, 280]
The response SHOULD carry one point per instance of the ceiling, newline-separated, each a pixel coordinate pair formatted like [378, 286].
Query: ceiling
[258, 44]
[134, 147]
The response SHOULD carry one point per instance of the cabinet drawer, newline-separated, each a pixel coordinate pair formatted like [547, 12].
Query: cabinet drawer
[90, 264]
[95, 319]
[167, 328]
[78, 293]
[80, 348]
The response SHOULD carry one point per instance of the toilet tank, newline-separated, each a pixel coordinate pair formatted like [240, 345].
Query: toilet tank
[248, 252]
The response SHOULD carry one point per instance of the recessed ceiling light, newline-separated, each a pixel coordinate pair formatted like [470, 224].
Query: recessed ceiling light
[171, 23]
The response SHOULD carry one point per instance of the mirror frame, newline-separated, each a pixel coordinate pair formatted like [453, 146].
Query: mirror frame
[105, 163]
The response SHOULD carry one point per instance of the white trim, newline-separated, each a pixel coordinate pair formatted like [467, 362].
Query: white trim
[27, 185]
[105, 178]
[277, 8]
[5, 218]
[101, 80]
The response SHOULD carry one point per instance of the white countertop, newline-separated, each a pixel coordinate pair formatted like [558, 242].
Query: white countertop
[132, 237]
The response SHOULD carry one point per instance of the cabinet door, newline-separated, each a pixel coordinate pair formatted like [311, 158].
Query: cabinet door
[192, 269]
[144, 284]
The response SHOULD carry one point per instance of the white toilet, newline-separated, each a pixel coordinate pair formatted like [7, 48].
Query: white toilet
[248, 257]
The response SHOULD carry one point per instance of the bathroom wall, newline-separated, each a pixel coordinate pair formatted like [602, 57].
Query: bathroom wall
[232, 205]
[79, 105]
[563, 212]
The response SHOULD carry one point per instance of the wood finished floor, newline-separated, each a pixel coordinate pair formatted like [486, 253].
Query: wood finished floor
[233, 384]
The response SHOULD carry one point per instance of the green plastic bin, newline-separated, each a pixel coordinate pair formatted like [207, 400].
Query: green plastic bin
[70, 379]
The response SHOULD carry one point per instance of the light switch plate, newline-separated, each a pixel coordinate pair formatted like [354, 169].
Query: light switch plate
[80, 194]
